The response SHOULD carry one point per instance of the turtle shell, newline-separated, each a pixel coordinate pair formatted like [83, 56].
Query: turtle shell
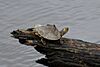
[49, 32]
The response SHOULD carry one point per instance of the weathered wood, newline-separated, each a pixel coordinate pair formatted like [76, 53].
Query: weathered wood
[65, 52]
[71, 52]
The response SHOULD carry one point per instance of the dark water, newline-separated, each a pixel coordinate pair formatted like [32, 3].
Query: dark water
[81, 16]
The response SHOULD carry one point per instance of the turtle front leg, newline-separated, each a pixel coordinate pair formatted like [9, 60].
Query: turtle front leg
[43, 41]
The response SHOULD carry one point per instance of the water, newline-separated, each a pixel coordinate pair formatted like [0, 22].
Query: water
[81, 16]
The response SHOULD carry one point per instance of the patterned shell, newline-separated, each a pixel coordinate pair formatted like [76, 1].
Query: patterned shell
[49, 32]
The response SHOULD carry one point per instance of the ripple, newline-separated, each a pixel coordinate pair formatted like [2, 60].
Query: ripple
[82, 17]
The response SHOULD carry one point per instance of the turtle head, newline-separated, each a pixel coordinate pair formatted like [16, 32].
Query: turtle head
[64, 31]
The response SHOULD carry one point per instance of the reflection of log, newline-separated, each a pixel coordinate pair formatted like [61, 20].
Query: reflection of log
[64, 52]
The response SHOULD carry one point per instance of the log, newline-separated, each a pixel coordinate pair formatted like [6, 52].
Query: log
[64, 52]
[71, 53]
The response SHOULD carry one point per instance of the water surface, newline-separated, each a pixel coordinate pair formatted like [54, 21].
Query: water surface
[81, 16]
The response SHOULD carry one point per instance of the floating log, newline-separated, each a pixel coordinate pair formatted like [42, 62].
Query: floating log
[64, 52]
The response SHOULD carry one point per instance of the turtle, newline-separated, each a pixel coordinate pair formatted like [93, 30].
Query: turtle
[49, 32]
[44, 32]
